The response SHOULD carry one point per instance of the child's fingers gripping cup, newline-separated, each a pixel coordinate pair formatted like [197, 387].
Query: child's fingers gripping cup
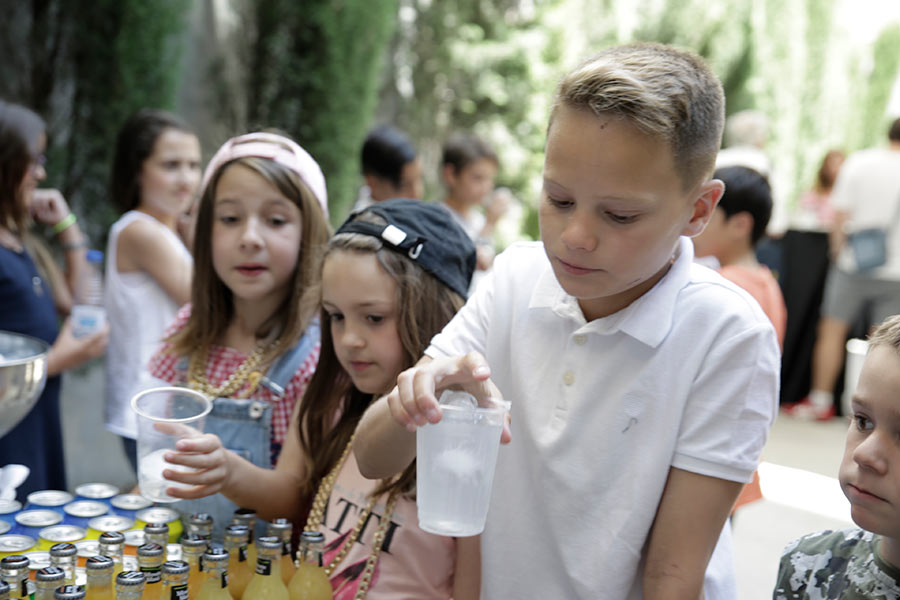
[455, 460]
[165, 415]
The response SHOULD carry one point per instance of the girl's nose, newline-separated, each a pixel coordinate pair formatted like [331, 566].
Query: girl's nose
[250, 235]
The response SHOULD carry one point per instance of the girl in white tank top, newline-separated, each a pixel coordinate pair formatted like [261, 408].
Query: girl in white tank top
[155, 179]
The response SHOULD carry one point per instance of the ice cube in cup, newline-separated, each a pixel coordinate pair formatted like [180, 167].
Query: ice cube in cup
[458, 398]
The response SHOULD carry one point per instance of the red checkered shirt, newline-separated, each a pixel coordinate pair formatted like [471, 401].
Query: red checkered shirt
[221, 362]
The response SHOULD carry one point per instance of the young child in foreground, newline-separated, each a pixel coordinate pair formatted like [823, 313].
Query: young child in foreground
[391, 277]
[642, 385]
[864, 563]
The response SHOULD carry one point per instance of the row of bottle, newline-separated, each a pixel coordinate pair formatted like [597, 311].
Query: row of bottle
[207, 573]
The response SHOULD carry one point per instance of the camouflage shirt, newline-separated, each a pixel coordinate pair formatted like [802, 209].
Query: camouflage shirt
[836, 564]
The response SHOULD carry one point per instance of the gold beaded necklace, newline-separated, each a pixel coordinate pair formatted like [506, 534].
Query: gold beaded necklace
[246, 371]
[317, 512]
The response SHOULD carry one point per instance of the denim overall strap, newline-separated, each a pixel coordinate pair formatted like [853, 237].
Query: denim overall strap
[283, 369]
[245, 427]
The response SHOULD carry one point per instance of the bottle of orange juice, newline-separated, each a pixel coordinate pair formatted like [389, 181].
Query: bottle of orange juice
[192, 548]
[239, 570]
[130, 585]
[175, 580]
[150, 560]
[310, 581]
[266, 583]
[112, 543]
[99, 578]
[247, 516]
[215, 566]
[282, 529]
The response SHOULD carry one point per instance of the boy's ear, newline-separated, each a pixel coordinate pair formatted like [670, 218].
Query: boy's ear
[704, 203]
[448, 174]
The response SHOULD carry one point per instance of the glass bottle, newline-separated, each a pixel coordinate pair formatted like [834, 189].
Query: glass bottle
[239, 573]
[157, 533]
[150, 560]
[282, 529]
[200, 524]
[69, 592]
[310, 581]
[64, 556]
[14, 571]
[175, 580]
[129, 585]
[215, 564]
[112, 544]
[192, 548]
[46, 581]
[4, 590]
[247, 516]
[99, 577]
[266, 583]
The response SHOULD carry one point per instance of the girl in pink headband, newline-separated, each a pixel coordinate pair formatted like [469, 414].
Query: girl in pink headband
[246, 339]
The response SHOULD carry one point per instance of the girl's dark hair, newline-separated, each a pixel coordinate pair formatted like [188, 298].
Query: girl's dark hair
[746, 191]
[134, 145]
[211, 300]
[424, 304]
[20, 130]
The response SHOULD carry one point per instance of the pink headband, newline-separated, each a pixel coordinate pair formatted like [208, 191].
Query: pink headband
[278, 148]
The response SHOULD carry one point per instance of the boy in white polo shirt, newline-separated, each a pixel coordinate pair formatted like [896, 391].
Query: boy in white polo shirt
[642, 385]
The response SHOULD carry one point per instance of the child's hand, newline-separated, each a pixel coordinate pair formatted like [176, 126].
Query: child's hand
[413, 403]
[48, 206]
[204, 453]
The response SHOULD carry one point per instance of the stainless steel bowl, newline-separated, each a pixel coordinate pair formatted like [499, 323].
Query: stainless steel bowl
[23, 373]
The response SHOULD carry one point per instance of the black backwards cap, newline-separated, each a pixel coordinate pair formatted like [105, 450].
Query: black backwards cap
[424, 232]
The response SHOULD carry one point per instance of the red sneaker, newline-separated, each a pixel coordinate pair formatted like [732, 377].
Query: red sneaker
[807, 411]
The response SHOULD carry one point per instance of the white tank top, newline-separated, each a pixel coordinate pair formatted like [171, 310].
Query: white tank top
[139, 311]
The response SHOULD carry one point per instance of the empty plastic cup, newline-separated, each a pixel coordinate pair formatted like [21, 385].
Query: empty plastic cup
[455, 460]
[165, 415]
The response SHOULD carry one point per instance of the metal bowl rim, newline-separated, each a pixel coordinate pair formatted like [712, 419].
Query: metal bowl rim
[26, 359]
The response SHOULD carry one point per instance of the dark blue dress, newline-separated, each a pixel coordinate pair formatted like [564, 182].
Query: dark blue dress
[26, 306]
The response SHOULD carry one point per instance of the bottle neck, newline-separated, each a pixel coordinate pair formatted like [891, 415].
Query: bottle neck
[99, 578]
[312, 555]
[129, 593]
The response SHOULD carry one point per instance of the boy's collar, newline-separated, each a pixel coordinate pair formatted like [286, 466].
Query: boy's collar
[648, 319]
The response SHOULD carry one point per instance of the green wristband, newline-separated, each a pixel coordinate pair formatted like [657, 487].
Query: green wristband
[67, 222]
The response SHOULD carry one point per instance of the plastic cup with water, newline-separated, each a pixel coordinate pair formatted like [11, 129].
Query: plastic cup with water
[455, 460]
[165, 415]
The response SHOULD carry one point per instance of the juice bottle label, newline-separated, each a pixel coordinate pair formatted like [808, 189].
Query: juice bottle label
[242, 554]
[179, 592]
[151, 574]
[224, 579]
[263, 566]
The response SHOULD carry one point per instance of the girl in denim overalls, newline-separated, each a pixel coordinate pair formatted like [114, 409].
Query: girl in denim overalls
[246, 339]
[391, 277]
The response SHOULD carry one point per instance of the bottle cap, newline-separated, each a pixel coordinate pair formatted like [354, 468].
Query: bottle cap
[215, 554]
[94, 256]
[150, 550]
[50, 574]
[269, 543]
[175, 567]
[98, 563]
[16, 561]
[111, 537]
[312, 537]
[192, 540]
[130, 578]
[156, 528]
[64, 549]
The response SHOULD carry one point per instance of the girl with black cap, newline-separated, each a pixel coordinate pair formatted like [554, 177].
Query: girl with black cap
[392, 276]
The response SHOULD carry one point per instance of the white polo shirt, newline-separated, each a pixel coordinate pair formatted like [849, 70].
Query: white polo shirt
[686, 376]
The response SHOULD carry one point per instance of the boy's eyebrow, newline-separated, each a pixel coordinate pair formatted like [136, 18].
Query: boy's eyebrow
[562, 188]
[861, 403]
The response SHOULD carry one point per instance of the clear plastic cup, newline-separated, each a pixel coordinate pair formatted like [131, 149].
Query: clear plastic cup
[165, 415]
[455, 460]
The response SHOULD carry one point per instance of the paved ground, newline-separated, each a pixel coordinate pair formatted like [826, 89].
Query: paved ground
[797, 476]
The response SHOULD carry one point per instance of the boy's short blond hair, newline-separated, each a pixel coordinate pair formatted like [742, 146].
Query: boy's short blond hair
[887, 334]
[667, 93]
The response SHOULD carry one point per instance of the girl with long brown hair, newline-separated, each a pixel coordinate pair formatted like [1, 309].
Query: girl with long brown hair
[246, 340]
[391, 278]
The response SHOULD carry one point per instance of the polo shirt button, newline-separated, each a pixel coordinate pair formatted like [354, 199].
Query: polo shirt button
[568, 377]
[580, 339]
